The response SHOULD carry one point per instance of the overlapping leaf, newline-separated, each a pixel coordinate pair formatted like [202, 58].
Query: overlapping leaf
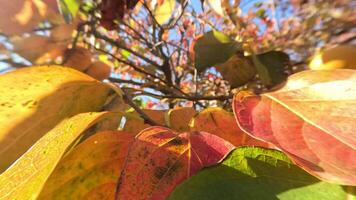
[312, 119]
[238, 70]
[256, 173]
[33, 100]
[213, 48]
[271, 67]
[178, 118]
[25, 178]
[134, 124]
[223, 124]
[91, 167]
[159, 159]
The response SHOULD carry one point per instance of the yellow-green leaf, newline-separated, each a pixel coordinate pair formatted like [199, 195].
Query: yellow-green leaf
[26, 177]
[35, 99]
[164, 11]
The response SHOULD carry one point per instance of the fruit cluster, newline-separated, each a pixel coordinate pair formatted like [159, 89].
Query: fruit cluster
[80, 59]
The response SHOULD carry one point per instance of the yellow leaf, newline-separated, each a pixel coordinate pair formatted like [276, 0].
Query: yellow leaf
[91, 165]
[135, 123]
[178, 118]
[216, 6]
[342, 56]
[35, 99]
[25, 178]
[164, 11]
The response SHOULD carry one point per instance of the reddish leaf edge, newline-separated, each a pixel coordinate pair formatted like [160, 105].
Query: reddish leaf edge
[242, 96]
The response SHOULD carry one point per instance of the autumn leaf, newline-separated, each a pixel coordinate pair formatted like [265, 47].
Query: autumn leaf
[27, 47]
[69, 8]
[159, 159]
[26, 177]
[134, 123]
[114, 9]
[178, 118]
[33, 100]
[216, 6]
[312, 119]
[91, 167]
[222, 123]
[256, 173]
[164, 11]
[19, 16]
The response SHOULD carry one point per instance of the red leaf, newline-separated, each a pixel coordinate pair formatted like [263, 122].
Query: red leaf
[312, 119]
[160, 159]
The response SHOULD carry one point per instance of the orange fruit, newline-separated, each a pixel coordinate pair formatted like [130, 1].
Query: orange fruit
[99, 70]
[78, 58]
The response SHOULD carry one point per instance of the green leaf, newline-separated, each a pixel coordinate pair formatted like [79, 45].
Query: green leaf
[213, 48]
[69, 8]
[25, 178]
[256, 173]
[238, 70]
[271, 66]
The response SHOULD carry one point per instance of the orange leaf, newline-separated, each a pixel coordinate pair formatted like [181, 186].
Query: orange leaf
[312, 119]
[91, 168]
[223, 124]
[160, 159]
[179, 118]
[136, 124]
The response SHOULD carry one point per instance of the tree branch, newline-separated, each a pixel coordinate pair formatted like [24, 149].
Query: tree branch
[128, 99]
[119, 45]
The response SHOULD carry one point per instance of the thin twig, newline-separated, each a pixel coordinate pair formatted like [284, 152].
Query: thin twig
[120, 46]
[128, 99]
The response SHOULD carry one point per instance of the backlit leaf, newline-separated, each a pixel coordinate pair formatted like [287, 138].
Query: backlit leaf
[164, 11]
[178, 118]
[271, 67]
[25, 178]
[35, 99]
[216, 6]
[238, 70]
[20, 16]
[69, 8]
[134, 124]
[312, 119]
[159, 159]
[213, 48]
[223, 124]
[256, 173]
[92, 165]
